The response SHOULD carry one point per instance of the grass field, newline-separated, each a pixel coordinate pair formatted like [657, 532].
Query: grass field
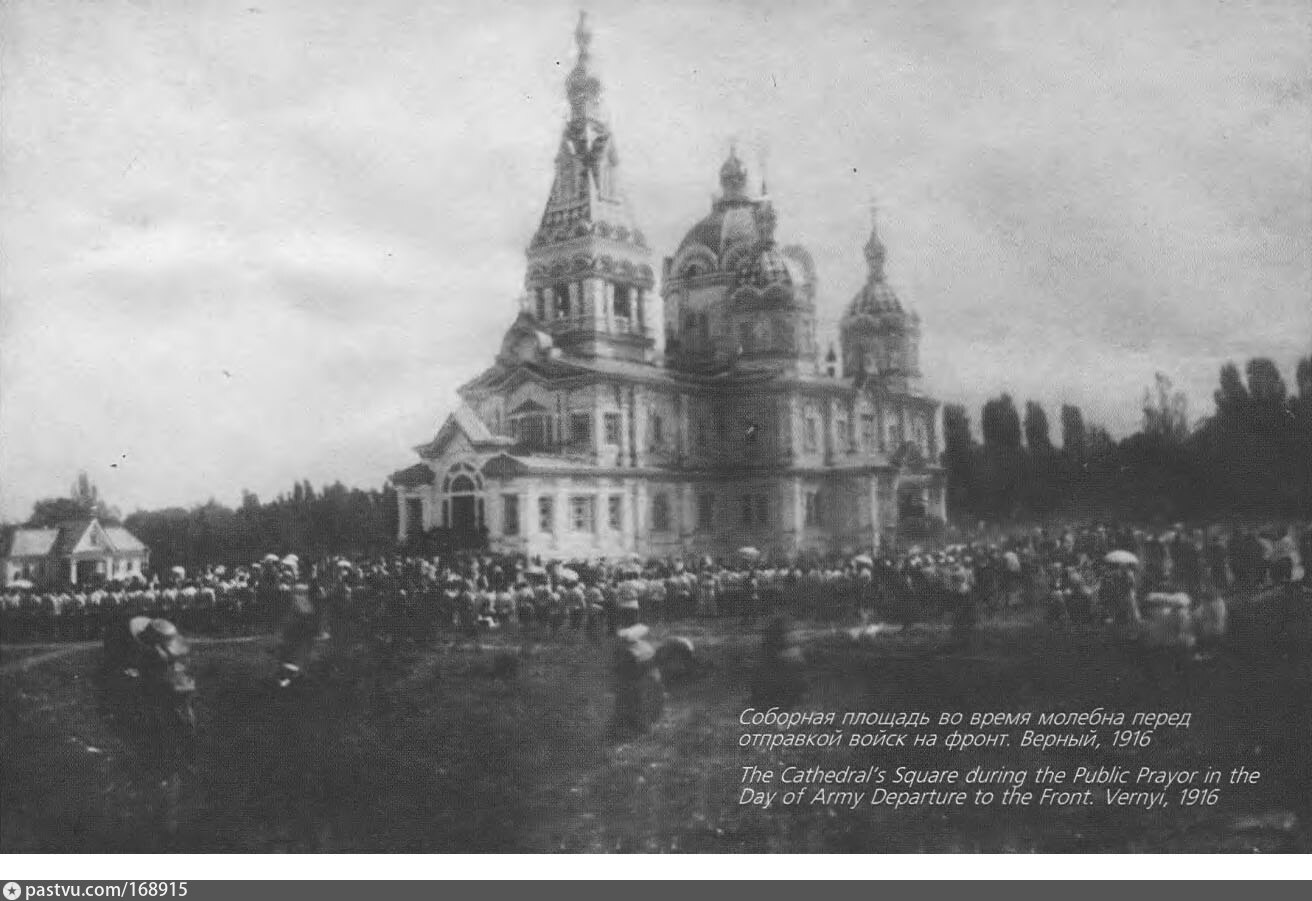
[421, 749]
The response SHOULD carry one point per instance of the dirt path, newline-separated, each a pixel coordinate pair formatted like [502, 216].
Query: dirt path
[64, 649]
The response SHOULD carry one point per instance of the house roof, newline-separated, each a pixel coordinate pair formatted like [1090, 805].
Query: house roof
[32, 542]
[466, 421]
[123, 540]
[64, 539]
[70, 535]
[414, 476]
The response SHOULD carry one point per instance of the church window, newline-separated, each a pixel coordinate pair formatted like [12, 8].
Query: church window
[763, 509]
[895, 436]
[657, 430]
[623, 301]
[841, 427]
[868, 431]
[540, 296]
[813, 512]
[749, 510]
[810, 433]
[583, 513]
[615, 512]
[746, 337]
[546, 514]
[660, 513]
[510, 514]
[611, 422]
[532, 431]
[580, 428]
[706, 511]
[562, 302]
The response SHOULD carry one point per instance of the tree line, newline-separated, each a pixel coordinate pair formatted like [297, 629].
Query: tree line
[1251, 458]
[333, 520]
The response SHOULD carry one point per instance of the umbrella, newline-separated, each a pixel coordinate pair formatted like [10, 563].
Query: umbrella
[568, 575]
[862, 560]
[748, 552]
[20, 583]
[1122, 558]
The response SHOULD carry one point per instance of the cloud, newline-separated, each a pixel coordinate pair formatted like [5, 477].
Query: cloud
[241, 249]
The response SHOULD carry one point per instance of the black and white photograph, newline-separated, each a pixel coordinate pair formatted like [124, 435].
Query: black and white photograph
[690, 428]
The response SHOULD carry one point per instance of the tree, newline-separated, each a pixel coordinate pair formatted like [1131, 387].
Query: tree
[1002, 457]
[1165, 413]
[1037, 438]
[83, 500]
[1001, 425]
[959, 458]
[1072, 433]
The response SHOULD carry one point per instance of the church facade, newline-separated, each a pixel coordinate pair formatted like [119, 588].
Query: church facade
[693, 418]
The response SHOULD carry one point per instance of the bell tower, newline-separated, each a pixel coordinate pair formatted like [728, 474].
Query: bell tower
[589, 281]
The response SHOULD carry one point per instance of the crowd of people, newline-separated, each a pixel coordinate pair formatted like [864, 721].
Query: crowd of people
[1064, 568]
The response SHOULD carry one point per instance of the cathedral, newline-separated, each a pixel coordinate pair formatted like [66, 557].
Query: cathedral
[690, 415]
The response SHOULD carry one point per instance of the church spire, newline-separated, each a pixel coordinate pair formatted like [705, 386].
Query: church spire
[582, 87]
[874, 249]
[589, 270]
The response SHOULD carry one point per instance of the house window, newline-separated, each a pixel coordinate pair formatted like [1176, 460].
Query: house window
[705, 511]
[546, 514]
[660, 513]
[583, 513]
[510, 514]
[840, 425]
[615, 512]
[580, 428]
[657, 430]
[611, 421]
[810, 433]
[868, 431]
[540, 297]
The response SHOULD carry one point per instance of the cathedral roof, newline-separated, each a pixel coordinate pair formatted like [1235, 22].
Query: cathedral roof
[729, 223]
[586, 197]
[876, 297]
[769, 267]
[734, 217]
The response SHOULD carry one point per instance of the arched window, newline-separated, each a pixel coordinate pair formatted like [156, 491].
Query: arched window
[462, 498]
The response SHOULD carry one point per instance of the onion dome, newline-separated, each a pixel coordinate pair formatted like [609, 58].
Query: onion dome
[876, 296]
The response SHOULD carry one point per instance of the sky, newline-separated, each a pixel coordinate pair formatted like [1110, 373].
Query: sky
[248, 243]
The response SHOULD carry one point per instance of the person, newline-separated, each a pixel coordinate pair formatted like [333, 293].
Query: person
[1119, 588]
[639, 695]
[300, 622]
